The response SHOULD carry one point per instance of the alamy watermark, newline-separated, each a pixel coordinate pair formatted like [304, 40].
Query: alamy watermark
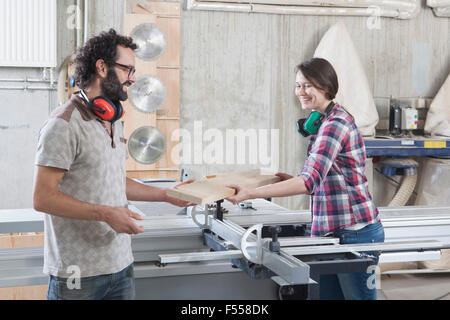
[374, 280]
[74, 280]
[226, 147]
[374, 20]
[74, 19]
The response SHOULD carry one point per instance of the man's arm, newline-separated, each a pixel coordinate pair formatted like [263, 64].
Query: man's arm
[140, 192]
[47, 198]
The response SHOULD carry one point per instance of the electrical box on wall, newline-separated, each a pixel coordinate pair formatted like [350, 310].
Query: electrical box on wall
[403, 117]
[409, 118]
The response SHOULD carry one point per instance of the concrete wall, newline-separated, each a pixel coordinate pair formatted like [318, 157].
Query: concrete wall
[22, 113]
[238, 73]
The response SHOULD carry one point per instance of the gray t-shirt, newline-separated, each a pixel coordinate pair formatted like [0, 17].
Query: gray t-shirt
[74, 139]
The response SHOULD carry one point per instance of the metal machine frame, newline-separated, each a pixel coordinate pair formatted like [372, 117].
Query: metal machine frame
[175, 247]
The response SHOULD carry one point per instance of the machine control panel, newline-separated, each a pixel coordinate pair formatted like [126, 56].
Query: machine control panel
[410, 118]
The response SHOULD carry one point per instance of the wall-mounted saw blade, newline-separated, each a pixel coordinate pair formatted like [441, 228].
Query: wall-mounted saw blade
[150, 40]
[147, 94]
[147, 145]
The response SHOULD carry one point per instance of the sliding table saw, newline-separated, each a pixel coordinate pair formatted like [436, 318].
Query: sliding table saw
[258, 252]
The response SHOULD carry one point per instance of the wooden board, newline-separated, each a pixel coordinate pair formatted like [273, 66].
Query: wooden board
[22, 240]
[24, 293]
[171, 80]
[165, 15]
[214, 188]
[171, 158]
[135, 118]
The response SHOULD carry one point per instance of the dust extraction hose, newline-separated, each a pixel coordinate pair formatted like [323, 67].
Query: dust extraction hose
[404, 192]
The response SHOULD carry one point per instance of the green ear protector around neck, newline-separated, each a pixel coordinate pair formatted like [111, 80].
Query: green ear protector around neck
[311, 125]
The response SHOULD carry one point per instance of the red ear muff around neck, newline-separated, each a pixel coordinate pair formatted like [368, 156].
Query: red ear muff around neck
[120, 111]
[104, 108]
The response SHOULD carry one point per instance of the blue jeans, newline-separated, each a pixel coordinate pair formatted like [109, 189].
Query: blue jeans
[353, 286]
[115, 286]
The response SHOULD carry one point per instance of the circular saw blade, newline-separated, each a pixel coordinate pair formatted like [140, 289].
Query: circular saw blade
[147, 94]
[147, 145]
[150, 40]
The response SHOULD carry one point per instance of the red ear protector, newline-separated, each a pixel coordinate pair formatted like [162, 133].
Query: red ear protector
[104, 108]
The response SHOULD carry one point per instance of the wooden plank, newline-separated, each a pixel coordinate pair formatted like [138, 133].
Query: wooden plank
[171, 29]
[214, 188]
[159, 8]
[22, 240]
[27, 240]
[24, 293]
[166, 15]
[5, 241]
[171, 80]
[135, 118]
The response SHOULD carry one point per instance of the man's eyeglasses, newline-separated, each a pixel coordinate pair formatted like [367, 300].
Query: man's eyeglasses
[131, 70]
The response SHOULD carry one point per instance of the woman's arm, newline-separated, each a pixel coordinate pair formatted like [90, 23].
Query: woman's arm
[285, 188]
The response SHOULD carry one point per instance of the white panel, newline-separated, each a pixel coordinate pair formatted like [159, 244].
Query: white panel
[28, 33]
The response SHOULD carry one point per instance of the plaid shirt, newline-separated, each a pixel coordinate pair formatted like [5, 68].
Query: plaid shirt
[334, 175]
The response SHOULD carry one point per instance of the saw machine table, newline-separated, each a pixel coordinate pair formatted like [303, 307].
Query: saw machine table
[175, 258]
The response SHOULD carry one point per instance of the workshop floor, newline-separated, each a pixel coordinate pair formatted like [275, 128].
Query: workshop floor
[415, 287]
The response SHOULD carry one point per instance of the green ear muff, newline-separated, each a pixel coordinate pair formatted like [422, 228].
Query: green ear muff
[310, 125]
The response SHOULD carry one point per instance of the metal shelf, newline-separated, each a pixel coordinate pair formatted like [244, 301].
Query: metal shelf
[407, 147]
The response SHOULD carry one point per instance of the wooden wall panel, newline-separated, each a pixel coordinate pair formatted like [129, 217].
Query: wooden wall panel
[171, 156]
[165, 15]
[171, 79]
[22, 240]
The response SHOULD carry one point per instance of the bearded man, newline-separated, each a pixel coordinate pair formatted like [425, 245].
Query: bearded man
[80, 179]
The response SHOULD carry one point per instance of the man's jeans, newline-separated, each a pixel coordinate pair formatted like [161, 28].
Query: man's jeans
[353, 286]
[116, 286]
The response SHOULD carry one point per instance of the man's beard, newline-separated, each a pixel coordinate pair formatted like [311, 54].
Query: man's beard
[112, 88]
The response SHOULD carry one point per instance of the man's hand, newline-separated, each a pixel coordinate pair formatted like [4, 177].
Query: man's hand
[284, 176]
[240, 195]
[121, 220]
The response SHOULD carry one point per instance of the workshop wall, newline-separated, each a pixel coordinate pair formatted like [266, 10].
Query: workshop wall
[22, 113]
[237, 72]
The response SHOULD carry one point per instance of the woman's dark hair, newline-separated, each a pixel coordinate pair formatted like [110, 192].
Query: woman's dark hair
[103, 46]
[321, 74]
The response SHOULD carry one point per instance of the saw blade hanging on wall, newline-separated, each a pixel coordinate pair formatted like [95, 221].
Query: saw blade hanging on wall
[148, 94]
[150, 40]
[147, 145]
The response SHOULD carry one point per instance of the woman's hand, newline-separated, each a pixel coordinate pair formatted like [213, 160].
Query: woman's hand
[284, 176]
[178, 202]
[240, 195]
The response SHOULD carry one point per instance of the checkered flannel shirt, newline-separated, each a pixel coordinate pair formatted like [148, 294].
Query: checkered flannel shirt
[334, 175]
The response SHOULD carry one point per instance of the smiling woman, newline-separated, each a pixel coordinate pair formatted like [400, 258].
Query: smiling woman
[316, 84]
[334, 176]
